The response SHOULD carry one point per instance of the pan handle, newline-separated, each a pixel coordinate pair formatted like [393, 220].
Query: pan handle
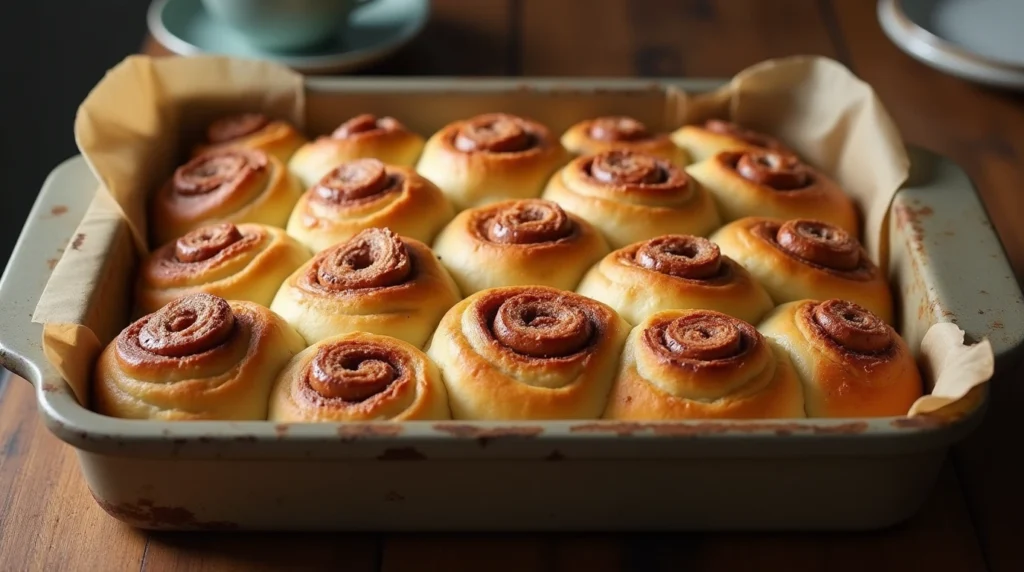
[50, 227]
[939, 225]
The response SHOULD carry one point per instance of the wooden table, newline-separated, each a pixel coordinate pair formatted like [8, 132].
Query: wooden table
[49, 521]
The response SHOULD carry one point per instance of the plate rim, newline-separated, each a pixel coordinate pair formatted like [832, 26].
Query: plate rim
[942, 54]
[344, 60]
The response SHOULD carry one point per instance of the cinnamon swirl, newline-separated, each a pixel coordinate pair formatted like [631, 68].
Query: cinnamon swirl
[528, 352]
[252, 131]
[359, 377]
[700, 364]
[675, 272]
[631, 196]
[760, 182]
[851, 363]
[593, 136]
[490, 158]
[236, 262]
[227, 185]
[198, 357]
[518, 242]
[364, 136]
[376, 282]
[366, 193]
[704, 141]
[806, 259]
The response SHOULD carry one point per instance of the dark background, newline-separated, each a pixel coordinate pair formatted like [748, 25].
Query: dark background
[53, 52]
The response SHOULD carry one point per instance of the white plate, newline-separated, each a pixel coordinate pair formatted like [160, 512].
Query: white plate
[374, 32]
[977, 40]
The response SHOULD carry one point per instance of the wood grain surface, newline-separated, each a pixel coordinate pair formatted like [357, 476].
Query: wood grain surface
[49, 521]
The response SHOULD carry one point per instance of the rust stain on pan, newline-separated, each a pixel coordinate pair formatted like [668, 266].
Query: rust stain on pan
[484, 436]
[79, 240]
[50, 387]
[629, 428]
[401, 454]
[281, 429]
[996, 325]
[920, 422]
[52, 262]
[146, 514]
[58, 210]
[354, 432]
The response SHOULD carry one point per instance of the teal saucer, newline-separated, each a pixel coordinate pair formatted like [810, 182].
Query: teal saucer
[374, 32]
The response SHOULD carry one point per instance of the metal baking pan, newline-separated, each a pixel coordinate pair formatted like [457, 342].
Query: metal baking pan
[698, 475]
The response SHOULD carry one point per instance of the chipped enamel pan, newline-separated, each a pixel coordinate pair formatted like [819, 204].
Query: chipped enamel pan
[845, 473]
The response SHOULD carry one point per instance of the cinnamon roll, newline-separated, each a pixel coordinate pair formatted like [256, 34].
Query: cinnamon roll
[760, 182]
[364, 136]
[226, 185]
[712, 137]
[376, 282]
[700, 364]
[490, 158]
[252, 131]
[593, 136]
[237, 262]
[675, 272]
[631, 196]
[199, 357]
[518, 242]
[366, 193]
[851, 363]
[528, 352]
[359, 377]
[806, 259]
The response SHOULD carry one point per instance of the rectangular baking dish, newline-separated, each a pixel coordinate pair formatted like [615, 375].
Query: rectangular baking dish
[947, 266]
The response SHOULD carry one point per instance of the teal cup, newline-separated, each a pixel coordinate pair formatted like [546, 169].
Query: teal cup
[284, 25]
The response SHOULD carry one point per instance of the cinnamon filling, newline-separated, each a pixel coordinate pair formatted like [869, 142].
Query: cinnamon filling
[701, 336]
[365, 123]
[354, 181]
[820, 243]
[684, 256]
[215, 169]
[746, 135]
[623, 167]
[527, 221]
[353, 371]
[852, 326]
[493, 133]
[617, 129]
[235, 127]
[206, 242]
[374, 258]
[189, 325]
[543, 325]
[772, 169]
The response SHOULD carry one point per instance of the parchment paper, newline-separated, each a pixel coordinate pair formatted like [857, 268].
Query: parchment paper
[142, 118]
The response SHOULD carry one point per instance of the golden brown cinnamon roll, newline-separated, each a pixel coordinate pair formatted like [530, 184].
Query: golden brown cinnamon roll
[252, 131]
[376, 282]
[199, 357]
[851, 363]
[366, 193]
[773, 184]
[593, 136]
[528, 352]
[359, 377]
[236, 262]
[490, 158]
[364, 136]
[704, 141]
[700, 364]
[806, 259]
[519, 242]
[227, 185]
[674, 272]
[631, 196]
